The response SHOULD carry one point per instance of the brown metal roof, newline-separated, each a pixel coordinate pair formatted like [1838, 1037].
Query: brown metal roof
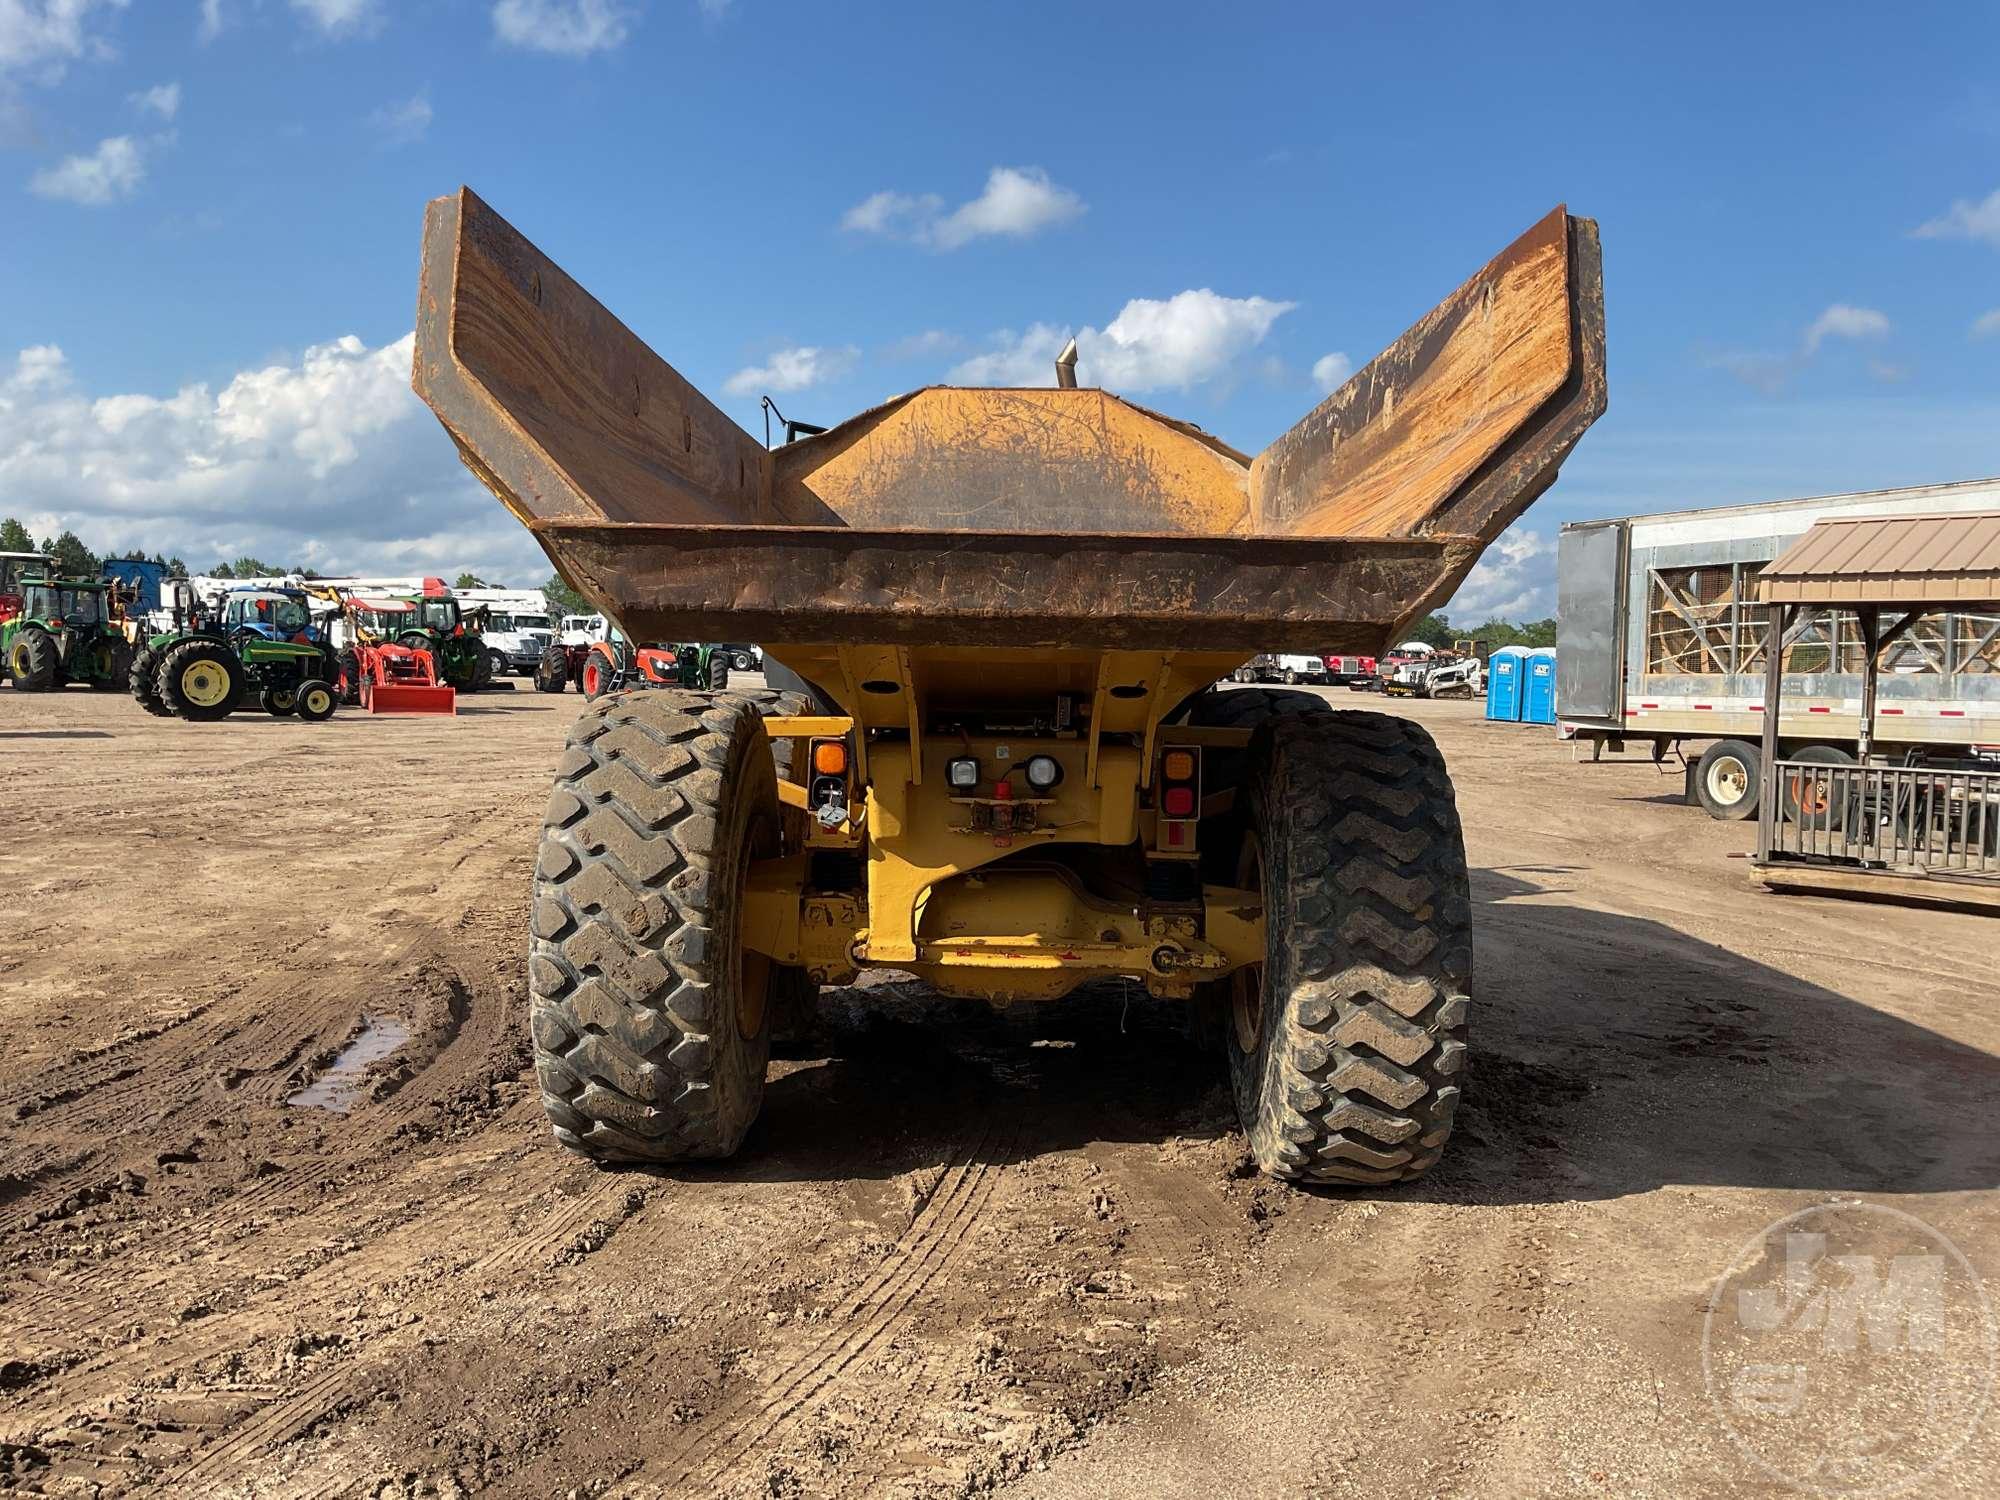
[1934, 559]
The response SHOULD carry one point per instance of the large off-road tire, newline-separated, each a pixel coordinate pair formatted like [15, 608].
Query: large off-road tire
[1347, 1045]
[479, 670]
[718, 671]
[1728, 780]
[139, 681]
[552, 671]
[597, 674]
[1222, 769]
[33, 662]
[650, 1021]
[200, 680]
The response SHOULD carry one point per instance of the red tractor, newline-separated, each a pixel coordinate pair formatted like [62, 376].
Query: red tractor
[376, 671]
[605, 666]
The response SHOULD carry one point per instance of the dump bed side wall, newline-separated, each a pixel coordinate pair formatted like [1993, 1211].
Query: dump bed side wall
[1400, 448]
[555, 404]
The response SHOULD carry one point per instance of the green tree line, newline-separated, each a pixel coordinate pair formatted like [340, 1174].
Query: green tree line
[1436, 630]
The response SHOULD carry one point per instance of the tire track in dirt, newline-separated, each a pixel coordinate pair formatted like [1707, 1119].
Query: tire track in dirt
[70, 1305]
[873, 1311]
[259, 1032]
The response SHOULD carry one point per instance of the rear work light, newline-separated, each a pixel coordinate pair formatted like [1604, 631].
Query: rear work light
[1043, 772]
[962, 773]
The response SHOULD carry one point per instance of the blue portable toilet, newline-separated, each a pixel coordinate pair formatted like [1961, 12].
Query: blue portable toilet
[1538, 689]
[1503, 684]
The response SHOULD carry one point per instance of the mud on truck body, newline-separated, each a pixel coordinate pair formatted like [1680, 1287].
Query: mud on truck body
[991, 757]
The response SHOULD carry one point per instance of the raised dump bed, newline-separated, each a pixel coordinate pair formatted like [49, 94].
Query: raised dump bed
[1001, 769]
[1009, 517]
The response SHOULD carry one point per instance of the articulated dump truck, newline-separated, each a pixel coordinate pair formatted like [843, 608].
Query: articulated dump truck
[993, 758]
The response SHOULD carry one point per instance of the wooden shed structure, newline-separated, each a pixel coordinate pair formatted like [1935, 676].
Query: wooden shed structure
[1924, 825]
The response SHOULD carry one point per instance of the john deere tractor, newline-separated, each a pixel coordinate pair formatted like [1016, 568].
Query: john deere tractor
[66, 631]
[258, 640]
[452, 637]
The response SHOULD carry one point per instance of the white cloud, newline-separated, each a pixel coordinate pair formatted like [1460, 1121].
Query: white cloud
[211, 21]
[327, 459]
[339, 18]
[1841, 321]
[113, 171]
[1189, 338]
[1770, 373]
[569, 28]
[932, 343]
[793, 370]
[1330, 372]
[162, 99]
[49, 34]
[402, 123]
[1017, 201]
[1986, 324]
[1966, 221]
[1513, 580]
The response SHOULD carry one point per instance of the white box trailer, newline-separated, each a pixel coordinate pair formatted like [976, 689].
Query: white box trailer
[1660, 641]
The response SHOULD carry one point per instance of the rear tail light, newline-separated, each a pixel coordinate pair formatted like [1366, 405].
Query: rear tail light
[1180, 800]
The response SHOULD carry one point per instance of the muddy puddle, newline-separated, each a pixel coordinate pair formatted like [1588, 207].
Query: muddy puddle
[339, 1087]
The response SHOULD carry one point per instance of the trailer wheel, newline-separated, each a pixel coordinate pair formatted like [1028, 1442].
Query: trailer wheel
[650, 1020]
[1347, 1045]
[552, 671]
[1816, 801]
[200, 680]
[315, 700]
[32, 661]
[1728, 780]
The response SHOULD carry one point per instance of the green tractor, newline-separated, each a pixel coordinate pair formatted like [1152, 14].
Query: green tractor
[452, 636]
[67, 630]
[259, 640]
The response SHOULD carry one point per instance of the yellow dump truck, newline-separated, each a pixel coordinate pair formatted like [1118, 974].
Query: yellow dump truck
[994, 620]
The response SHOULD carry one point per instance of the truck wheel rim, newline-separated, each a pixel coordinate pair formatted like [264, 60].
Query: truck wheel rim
[204, 684]
[1728, 780]
[1246, 985]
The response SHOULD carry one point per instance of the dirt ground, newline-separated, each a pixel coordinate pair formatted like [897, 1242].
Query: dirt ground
[963, 1251]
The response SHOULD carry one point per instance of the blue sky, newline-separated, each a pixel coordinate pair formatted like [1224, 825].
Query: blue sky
[209, 214]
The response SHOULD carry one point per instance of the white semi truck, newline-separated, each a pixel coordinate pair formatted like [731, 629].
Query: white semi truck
[1660, 641]
[518, 628]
